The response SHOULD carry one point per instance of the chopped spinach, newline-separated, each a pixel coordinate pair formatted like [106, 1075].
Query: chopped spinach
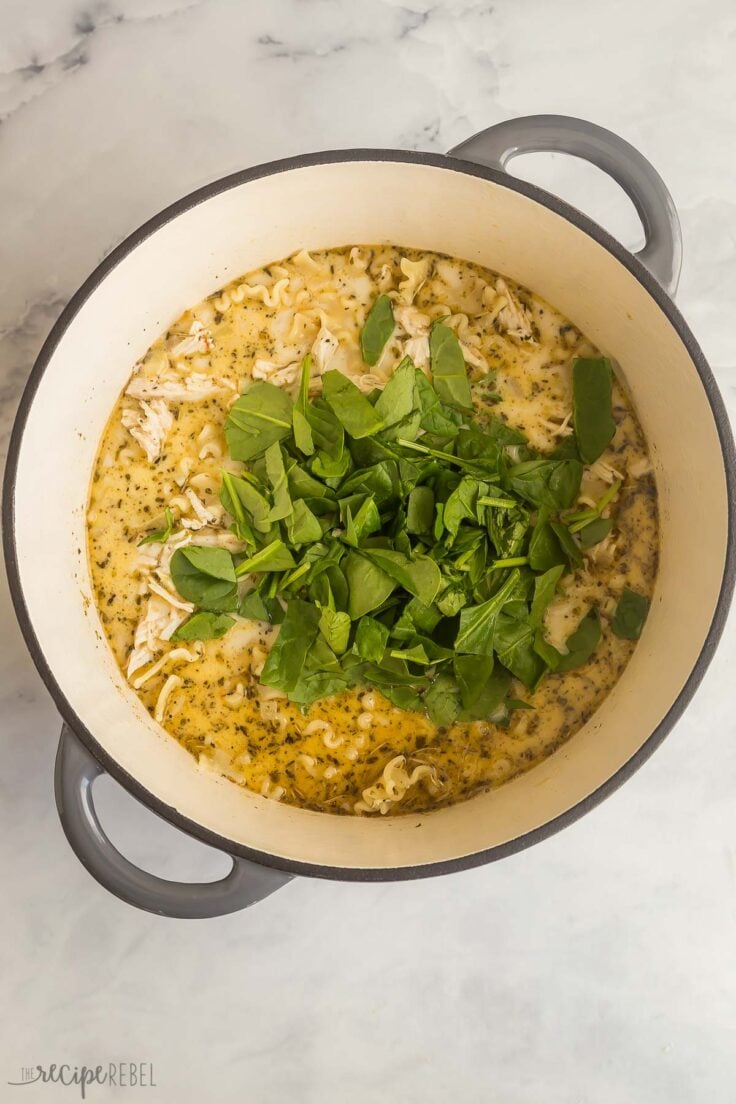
[399, 541]
[206, 577]
[449, 375]
[581, 644]
[260, 416]
[350, 406]
[592, 383]
[379, 325]
[630, 615]
[204, 626]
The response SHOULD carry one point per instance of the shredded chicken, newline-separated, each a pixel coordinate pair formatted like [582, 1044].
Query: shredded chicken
[417, 349]
[198, 341]
[473, 357]
[204, 516]
[324, 348]
[222, 538]
[173, 599]
[604, 553]
[174, 388]
[158, 624]
[281, 375]
[412, 321]
[561, 618]
[606, 472]
[149, 426]
[509, 314]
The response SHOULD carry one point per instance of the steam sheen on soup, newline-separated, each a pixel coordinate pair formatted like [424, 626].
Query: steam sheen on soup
[505, 550]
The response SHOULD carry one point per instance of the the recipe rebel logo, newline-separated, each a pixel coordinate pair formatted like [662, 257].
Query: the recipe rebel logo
[119, 1075]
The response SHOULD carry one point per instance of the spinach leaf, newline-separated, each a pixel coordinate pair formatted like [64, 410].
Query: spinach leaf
[315, 684]
[449, 374]
[396, 401]
[544, 591]
[330, 588]
[366, 521]
[276, 473]
[461, 504]
[274, 557]
[404, 697]
[303, 438]
[379, 325]
[474, 444]
[551, 483]
[331, 468]
[417, 654]
[567, 543]
[566, 449]
[205, 576]
[254, 607]
[594, 532]
[514, 644]
[630, 615]
[420, 510]
[368, 585]
[581, 644]
[544, 548]
[478, 623]
[204, 626]
[283, 667]
[592, 382]
[496, 429]
[213, 562]
[302, 525]
[327, 432]
[420, 575]
[371, 638]
[442, 700]
[160, 536]
[246, 505]
[304, 485]
[392, 672]
[350, 405]
[492, 694]
[546, 651]
[260, 416]
[335, 628]
[302, 433]
[381, 480]
[415, 618]
[452, 599]
[435, 419]
[472, 673]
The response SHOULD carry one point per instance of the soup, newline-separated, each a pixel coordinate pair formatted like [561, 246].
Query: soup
[372, 530]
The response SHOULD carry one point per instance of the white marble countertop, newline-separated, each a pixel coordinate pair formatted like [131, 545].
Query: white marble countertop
[597, 967]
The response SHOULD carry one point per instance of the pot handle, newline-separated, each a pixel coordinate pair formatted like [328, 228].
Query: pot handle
[496, 146]
[76, 771]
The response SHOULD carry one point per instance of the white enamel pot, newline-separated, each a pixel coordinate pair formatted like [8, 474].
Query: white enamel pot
[465, 205]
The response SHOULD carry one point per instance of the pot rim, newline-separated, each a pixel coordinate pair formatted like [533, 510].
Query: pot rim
[441, 161]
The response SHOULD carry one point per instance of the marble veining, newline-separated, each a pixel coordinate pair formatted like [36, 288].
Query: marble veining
[597, 967]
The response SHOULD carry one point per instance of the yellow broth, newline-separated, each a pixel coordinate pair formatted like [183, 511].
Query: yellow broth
[341, 755]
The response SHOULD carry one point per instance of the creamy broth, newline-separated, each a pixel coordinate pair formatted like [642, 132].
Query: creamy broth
[164, 447]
